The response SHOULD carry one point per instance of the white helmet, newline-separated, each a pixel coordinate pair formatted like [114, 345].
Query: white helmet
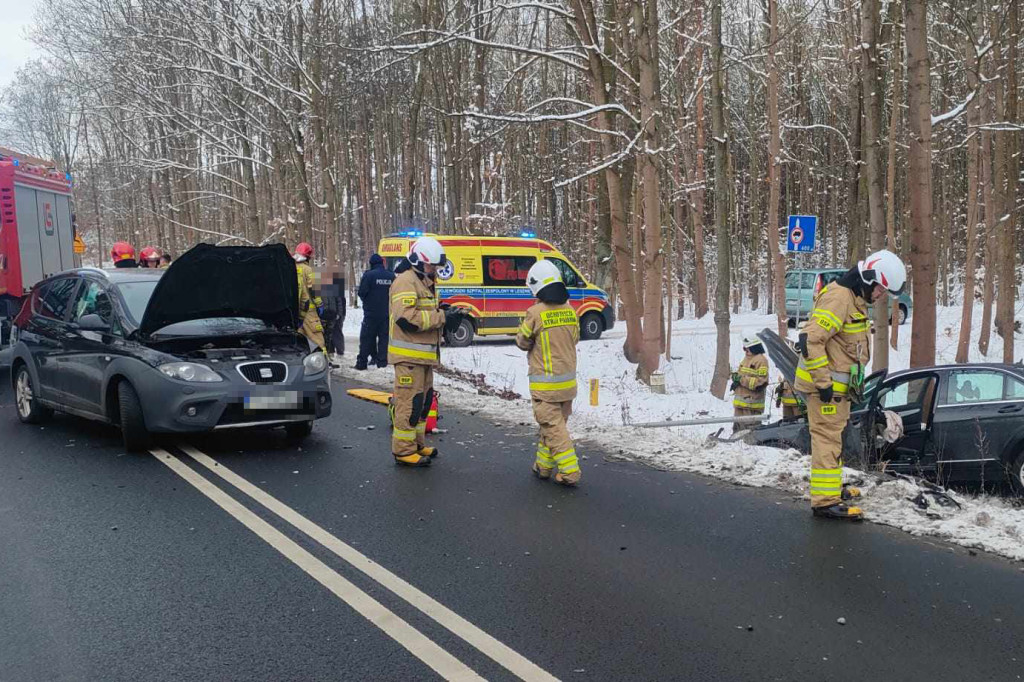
[751, 342]
[543, 273]
[885, 268]
[426, 251]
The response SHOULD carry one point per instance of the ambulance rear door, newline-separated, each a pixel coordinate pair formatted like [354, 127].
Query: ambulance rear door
[507, 296]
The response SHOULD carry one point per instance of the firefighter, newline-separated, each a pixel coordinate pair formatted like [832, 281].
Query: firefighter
[123, 255]
[414, 350]
[149, 257]
[310, 304]
[549, 334]
[750, 382]
[165, 260]
[835, 346]
[786, 398]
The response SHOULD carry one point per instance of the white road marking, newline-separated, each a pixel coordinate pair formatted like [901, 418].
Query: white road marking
[508, 658]
[446, 665]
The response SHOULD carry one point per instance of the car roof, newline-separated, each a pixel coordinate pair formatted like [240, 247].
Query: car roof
[1001, 366]
[817, 270]
[118, 275]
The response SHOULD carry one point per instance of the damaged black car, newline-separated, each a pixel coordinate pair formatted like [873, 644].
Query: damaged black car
[210, 343]
[958, 423]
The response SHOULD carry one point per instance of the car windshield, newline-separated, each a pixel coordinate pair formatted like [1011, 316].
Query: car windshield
[137, 295]
[213, 326]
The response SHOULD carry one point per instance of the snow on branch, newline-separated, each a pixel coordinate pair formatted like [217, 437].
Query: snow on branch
[955, 112]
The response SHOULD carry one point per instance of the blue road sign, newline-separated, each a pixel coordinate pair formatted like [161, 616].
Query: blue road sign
[800, 236]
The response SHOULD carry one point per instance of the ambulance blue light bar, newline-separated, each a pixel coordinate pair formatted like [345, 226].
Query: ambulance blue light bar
[409, 233]
[527, 234]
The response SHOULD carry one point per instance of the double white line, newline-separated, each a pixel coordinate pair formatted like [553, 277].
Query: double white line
[412, 639]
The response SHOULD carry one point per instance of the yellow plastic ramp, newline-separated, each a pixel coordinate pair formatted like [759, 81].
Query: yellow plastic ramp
[370, 395]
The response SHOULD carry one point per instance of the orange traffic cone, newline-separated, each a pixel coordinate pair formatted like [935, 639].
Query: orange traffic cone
[432, 416]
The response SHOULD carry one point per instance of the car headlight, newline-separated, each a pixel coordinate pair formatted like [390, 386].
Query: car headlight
[190, 371]
[315, 362]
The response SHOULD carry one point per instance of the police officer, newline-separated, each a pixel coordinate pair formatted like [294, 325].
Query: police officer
[373, 335]
[835, 346]
[549, 334]
[309, 302]
[750, 381]
[414, 350]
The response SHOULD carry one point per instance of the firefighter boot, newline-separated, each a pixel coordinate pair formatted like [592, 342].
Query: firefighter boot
[413, 460]
[849, 492]
[839, 511]
[427, 451]
[543, 473]
[568, 480]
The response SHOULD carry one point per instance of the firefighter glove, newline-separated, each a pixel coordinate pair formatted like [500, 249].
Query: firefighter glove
[320, 311]
[825, 394]
[736, 377]
[452, 319]
[444, 306]
[801, 344]
[734, 386]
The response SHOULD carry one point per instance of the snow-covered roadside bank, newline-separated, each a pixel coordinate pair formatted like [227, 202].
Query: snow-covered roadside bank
[984, 522]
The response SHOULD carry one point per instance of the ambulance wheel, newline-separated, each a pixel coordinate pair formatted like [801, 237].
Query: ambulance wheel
[461, 336]
[591, 327]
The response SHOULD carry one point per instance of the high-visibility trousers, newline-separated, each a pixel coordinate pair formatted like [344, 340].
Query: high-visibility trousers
[826, 422]
[313, 329]
[555, 449]
[738, 411]
[414, 388]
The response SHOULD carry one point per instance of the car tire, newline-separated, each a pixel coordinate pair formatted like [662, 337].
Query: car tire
[26, 400]
[299, 430]
[591, 327]
[1017, 475]
[903, 314]
[133, 423]
[461, 336]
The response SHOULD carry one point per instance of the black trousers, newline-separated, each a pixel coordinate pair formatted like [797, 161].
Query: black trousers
[334, 335]
[373, 342]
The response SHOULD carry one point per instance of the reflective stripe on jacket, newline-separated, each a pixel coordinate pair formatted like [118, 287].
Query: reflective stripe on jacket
[838, 337]
[549, 333]
[414, 301]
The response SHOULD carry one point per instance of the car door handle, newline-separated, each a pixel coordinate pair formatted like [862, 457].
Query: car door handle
[1010, 408]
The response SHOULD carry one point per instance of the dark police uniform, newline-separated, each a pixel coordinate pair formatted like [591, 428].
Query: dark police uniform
[373, 291]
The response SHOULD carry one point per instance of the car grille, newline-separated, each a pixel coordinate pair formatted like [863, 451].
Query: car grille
[273, 372]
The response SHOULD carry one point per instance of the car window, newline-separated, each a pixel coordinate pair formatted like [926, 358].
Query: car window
[905, 394]
[829, 277]
[136, 296]
[93, 300]
[569, 276]
[507, 271]
[53, 301]
[792, 280]
[980, 386]
[800, 280]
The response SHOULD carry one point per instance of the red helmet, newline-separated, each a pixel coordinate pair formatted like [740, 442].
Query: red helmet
[304, 250]
[122, 251]
[149, 253]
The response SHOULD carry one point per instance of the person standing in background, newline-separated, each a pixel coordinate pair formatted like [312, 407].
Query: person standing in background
[373, 336]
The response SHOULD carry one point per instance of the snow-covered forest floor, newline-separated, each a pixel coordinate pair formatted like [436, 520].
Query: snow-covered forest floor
[985, 522]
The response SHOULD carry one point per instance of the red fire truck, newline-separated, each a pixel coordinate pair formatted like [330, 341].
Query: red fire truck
[37, 233]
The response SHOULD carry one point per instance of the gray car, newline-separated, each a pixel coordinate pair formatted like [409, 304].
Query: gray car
[209, 344]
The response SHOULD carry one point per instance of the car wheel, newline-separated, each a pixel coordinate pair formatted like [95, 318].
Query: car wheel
[133, 423]
[1017, 475]
[591, 327]
[30, 410]
[903, 314]
[461, 336]
[299, 430]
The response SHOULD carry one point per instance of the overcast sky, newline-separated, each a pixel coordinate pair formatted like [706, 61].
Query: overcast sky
[15, 50]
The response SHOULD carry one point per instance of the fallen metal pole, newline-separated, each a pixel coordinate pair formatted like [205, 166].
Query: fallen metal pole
[749, 419]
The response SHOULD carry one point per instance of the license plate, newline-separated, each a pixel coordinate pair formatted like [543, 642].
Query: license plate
[285, 400]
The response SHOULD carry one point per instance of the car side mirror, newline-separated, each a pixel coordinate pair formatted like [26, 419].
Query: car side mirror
[93, 323]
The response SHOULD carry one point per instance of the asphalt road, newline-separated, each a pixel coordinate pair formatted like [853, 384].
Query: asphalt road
[156, 567]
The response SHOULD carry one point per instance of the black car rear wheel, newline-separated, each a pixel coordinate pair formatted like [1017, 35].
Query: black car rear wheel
[902, 317]
[133, 424]
[299, 430]
[30, 410]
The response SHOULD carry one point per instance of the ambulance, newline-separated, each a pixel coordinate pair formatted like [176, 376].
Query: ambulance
[486, 277]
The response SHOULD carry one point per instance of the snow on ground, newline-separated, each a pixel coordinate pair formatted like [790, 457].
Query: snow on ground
[985, 522]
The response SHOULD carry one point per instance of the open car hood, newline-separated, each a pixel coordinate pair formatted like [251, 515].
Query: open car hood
[783, 357]
[258, 282]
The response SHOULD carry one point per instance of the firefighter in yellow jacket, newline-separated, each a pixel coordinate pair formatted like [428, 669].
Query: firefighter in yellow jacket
[416, 321]
[835, 346]
[750, 382]
[549, 334]
[310, 304]
[786, 398]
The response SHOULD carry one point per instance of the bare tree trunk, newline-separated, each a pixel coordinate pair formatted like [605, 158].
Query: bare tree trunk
[869, 27]
[697, 196]
[721, 375]
[988, 180]
[922, 254]
[896, 62]
[1011, 168]
[973, 168]
[775, 258]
